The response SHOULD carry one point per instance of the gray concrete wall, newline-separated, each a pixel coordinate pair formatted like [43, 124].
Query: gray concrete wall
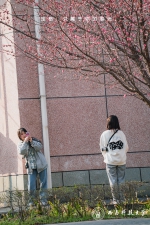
[99, 177]
[96, 177]
[13, 182]
[86, 177]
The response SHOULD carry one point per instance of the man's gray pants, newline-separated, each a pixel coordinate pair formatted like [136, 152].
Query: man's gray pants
[116, 176]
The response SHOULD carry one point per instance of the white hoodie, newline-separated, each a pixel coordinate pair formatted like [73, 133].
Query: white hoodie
[117, 147]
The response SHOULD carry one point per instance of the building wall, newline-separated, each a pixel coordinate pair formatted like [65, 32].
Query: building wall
[10, 162]
[76, 121]
[77, 112]
[85, 177]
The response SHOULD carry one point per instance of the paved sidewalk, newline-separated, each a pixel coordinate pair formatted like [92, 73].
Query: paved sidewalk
[141, 221]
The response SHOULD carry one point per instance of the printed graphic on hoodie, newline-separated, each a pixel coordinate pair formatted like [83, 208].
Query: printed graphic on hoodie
[116, 145]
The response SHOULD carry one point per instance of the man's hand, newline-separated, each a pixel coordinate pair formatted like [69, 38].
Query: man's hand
[27, 139]
[30, 139]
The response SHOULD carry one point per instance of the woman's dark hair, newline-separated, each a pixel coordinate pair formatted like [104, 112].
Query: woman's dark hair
[113, 123]
[20, 130]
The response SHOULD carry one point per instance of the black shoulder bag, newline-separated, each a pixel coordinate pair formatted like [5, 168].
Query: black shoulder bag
[106, 148]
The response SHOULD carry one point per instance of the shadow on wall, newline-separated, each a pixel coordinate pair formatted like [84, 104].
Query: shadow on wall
[9, 120]
[8, 156]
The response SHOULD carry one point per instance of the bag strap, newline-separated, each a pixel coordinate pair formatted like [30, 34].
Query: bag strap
[35, 139]
[111, 137]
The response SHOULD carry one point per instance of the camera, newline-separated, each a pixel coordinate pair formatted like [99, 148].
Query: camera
[27, 133]
[27, 165]
[105, 149]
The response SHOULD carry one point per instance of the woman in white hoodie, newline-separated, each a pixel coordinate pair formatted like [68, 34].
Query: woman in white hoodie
[114, 146]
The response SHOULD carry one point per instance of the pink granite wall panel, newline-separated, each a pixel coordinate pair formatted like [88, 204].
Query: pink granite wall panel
[21, 8]
[113, 87]
[9, 159]
[9, 120]
[30, 116]
[79, 162]
[90, 162]
[134, 117]
[138, 159]
[75, 125]
[65, 84]
[28, 81]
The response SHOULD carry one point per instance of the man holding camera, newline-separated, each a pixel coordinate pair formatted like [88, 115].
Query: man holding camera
[30, 148]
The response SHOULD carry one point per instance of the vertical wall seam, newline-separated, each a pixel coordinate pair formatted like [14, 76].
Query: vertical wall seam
[89, 177]
[63, 179]
[140, 174]
[105, 88]
[106, 95]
